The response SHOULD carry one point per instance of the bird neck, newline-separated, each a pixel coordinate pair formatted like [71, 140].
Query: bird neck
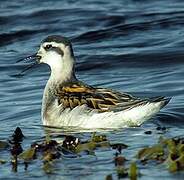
[63, 72]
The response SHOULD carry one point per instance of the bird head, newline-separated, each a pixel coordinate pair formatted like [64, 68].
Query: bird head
[56, 51]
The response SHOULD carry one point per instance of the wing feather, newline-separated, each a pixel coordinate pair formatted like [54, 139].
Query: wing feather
[101, 99]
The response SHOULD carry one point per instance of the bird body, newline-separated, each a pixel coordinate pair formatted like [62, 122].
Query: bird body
[95, 108]
[70, 102]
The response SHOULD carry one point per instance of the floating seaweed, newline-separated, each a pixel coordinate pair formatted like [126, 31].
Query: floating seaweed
[48, 150]
[76, 146]
[148, 132]
[119, 160]
[122, 170]
[28, 154]
[133, 171]
[168, 151]
[16, 148]
[119, 146]
[17, 136]
[150, 152]
[2, 161]
[109, 177]
[4, 145]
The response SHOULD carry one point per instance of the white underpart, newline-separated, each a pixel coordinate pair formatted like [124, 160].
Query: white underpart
[80, 117]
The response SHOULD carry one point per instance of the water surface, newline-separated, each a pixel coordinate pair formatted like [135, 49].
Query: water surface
[132, 46]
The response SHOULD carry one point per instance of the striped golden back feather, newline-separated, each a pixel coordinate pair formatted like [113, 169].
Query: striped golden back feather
[101, 99]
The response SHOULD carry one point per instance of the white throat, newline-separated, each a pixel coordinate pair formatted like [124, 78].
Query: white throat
[62, 71]
[61, 67]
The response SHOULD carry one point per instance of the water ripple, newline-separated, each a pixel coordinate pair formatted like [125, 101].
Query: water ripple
[131, 46]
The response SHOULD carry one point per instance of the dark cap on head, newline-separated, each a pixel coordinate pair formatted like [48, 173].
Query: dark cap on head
[57, 39]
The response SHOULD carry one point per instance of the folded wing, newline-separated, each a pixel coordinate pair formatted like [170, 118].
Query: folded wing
[101, 99]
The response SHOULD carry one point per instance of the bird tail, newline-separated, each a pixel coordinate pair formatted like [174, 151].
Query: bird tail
[163, 100]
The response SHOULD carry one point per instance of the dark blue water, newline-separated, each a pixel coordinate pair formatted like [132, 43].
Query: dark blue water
[132, 46]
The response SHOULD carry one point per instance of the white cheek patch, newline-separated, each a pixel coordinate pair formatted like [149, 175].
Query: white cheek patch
[62, 46]
[51, 58]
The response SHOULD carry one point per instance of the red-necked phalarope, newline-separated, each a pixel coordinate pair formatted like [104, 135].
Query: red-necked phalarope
[70, 102]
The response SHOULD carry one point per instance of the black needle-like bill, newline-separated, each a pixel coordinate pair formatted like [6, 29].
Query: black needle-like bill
[29, 58]
[34, 59]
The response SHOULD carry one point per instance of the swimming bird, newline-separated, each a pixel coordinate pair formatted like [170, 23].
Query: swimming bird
[70, 102]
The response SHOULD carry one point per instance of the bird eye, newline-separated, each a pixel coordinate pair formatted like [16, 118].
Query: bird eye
[48, 46]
